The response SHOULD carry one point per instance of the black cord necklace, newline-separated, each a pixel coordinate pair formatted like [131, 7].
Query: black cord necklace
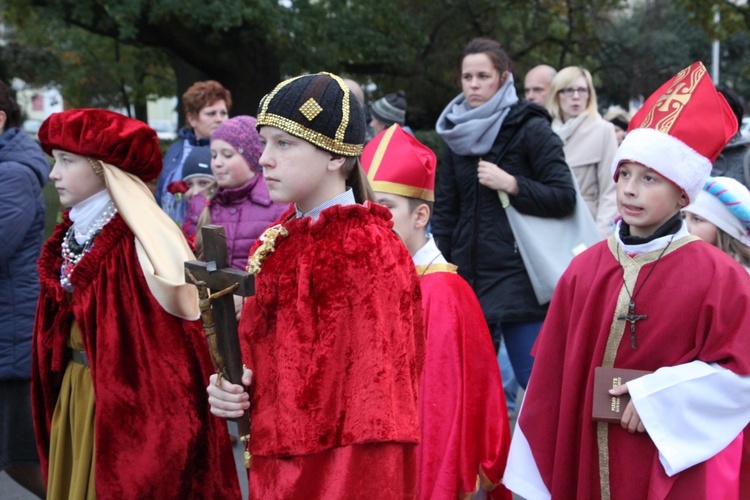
[632, 317]
[425, 268]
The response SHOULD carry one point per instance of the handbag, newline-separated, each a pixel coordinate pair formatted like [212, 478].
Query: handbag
[547, 245]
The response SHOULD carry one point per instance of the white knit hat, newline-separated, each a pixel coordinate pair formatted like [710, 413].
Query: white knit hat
[725, 203]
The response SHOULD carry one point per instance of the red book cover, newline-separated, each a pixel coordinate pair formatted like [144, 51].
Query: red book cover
[606, 407]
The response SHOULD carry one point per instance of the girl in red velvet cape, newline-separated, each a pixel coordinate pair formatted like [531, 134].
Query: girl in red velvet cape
[334, 333]
[115, 324]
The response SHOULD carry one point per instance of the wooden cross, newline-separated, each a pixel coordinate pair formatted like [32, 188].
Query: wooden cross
[632, 317]
[217, 308]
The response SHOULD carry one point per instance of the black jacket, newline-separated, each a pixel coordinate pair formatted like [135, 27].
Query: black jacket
[471, 227]
[733, 159]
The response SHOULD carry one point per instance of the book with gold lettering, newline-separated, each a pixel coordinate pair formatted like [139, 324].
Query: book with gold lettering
[609, 408]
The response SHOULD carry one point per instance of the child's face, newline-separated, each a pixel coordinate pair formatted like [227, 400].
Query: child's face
[298, 172]
[198, 184]
[404, 219]
[74, 178]
[701, 228]
[229, 167]
[646, 199]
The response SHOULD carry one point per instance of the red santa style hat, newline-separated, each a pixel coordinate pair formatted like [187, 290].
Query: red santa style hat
[104, 135]
[397, 163]
[680, 130]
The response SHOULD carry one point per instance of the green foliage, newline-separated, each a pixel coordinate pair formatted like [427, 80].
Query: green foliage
[413, 45]
[645, 47]
[734, 16]
[91, 70]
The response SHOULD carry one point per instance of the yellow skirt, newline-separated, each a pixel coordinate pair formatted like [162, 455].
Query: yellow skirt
[71, 453]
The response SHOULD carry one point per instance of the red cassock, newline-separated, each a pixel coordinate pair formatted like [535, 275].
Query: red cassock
[696, 300]
[334, 336]
[463, 414]
[154, 434]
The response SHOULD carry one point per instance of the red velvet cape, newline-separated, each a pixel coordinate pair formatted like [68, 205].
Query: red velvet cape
[697, 305]
[463, 415]
[334, 336]
[154, 434]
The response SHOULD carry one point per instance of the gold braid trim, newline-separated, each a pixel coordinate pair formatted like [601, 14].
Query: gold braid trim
[268, 238]
[335, 144]
[345, 111]
[311, 136]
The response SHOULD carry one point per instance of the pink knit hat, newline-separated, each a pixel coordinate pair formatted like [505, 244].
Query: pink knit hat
[239, 132]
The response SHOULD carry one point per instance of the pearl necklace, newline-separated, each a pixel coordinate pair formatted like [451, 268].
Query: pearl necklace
[72, 252]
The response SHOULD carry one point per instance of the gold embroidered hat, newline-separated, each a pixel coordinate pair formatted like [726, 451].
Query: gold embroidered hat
[318, 108]
[680, 130]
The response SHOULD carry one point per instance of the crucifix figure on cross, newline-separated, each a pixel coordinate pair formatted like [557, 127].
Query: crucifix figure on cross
[632, 317]
[217, 283]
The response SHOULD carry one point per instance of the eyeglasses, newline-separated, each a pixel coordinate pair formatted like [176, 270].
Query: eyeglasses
[569, 91]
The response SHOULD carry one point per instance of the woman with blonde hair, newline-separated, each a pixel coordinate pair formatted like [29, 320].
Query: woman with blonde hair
[590, 141]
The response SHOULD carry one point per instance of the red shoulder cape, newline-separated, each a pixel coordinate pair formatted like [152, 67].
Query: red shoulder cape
[334, 336]
[154, 434]
[696, 301]
[463, 414]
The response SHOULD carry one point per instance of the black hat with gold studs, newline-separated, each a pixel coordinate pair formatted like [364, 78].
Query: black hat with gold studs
[318, 108]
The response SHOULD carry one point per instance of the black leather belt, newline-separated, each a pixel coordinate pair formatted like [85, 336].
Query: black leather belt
[79, 357]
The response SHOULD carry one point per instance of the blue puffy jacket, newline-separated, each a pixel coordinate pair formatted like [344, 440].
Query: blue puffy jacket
[24, 171]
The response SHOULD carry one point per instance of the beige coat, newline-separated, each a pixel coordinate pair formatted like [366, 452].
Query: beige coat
[589, 150]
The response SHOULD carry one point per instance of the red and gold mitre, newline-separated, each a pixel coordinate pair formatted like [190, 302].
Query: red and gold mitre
[397, 163]
[680, 130]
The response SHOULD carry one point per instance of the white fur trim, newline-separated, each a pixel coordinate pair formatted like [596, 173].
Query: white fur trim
[668, 155]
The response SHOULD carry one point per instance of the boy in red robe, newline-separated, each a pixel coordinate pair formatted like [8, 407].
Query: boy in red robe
[334, 335]
[650, 298]
[116, 324]
[462, 412]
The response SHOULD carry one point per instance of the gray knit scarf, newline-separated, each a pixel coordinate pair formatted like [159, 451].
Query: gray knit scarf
[472, 131]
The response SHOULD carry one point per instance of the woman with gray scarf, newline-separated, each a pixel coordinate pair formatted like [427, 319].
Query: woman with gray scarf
[497, 144]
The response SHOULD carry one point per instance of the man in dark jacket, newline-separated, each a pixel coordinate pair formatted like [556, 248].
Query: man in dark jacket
[23, 170]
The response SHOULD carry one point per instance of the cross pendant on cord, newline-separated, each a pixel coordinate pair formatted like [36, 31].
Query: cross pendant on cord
[632, 317]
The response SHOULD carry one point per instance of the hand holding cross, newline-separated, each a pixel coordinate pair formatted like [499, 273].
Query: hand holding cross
[217, 308]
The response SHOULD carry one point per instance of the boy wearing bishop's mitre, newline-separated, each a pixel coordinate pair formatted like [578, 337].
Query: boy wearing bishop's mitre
[652, 298]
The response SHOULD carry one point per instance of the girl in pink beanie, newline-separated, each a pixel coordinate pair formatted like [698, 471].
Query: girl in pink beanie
[241, 203]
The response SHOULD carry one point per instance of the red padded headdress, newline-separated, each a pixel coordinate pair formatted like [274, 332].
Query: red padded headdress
[104, 135]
